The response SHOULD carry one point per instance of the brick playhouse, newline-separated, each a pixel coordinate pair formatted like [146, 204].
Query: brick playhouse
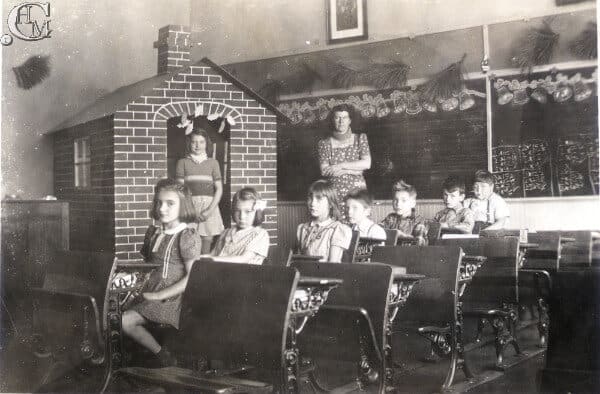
[108, 157]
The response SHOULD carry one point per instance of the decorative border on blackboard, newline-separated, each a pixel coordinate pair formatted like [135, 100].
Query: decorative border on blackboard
[376, 105]
[559, 87]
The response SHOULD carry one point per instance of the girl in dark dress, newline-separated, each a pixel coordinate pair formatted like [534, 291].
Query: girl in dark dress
[175, 247]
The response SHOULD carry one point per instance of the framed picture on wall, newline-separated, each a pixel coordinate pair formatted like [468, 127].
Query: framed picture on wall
[346, 20]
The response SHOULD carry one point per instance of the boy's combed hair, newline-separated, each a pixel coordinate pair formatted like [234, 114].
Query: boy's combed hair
[202, 133]
[452, 184]
[187, 213]
[361, 195]
[484, 176]
[248, 194]
[325, 188]
[402, 186]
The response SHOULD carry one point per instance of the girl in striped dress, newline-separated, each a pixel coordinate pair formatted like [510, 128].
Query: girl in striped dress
[202, 175]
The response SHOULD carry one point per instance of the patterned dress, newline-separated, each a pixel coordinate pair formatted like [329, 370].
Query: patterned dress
[170, 249]
[234, 242]
[357, 150]
[316, 239]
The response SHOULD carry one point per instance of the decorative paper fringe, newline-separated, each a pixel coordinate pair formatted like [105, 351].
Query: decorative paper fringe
[379, 75]
[535, 47]
[346, 77]
[585, 46]
[446, 83]
[33, 71]
[300, 81]
[271, 90]
[387, 75]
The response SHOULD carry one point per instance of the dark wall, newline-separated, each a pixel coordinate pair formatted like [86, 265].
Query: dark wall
[91, 210]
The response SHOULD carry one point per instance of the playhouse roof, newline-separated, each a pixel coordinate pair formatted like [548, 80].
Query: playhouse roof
[118, 99]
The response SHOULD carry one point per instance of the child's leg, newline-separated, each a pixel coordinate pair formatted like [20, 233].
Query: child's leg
[206, 243]
[132, 324]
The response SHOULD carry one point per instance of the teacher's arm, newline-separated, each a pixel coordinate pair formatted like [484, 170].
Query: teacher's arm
[364, 161]
[324, 153]
[358, 165]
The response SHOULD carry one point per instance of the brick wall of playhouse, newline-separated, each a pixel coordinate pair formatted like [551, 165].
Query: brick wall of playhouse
[140, 141]
[90, 209]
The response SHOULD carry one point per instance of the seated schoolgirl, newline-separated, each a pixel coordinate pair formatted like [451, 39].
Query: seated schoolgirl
[245, 242]
[324, 236]
[175, 247]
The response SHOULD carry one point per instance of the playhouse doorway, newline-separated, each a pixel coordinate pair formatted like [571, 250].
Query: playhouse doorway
[219, 132]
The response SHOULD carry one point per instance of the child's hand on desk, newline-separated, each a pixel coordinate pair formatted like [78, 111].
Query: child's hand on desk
[444, 225]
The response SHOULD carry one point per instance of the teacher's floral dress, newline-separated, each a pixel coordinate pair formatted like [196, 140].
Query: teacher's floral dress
[358, 149]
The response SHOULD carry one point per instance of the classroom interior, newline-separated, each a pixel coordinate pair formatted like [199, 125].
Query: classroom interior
[439, 90]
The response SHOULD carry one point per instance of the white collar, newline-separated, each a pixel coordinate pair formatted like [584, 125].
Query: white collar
[365, 224]
[178, 229]
[198, 158]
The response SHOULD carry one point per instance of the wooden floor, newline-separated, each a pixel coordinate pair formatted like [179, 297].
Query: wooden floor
[23, 372]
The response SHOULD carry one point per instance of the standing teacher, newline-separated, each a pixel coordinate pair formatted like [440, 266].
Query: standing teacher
[344, 156]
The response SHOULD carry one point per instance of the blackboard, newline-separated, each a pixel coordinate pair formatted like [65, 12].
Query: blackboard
[422, 149]
[546, 149]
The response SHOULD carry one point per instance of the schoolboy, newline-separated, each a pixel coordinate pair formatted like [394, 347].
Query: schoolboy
[490, 210]
[455, 217]
[404, 218]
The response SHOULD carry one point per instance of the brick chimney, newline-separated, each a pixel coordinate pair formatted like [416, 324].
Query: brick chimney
[173, 48]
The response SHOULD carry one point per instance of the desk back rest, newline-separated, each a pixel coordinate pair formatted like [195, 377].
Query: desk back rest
[364, 250]
[366, 285]
[432, 300]
[546, 255]
[574, 336]
[350, 253]
[505, 232]
[80, 272]
[579, 252]
[496, 281]
[434, 231]
[237, 312]
[391, 237]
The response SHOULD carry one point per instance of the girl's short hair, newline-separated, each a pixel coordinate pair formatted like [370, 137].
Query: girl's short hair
[248, 194]
[361, 195]
[187, 213]
[402, 186]
[452, 184]
[340, 108]
[202, 133]
[325, 188]
[484, 176]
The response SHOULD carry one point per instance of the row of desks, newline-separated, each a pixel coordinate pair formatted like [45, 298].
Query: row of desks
[312, 304]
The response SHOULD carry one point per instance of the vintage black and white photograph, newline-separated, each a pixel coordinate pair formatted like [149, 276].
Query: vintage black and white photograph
[346, 20]
[283, 196]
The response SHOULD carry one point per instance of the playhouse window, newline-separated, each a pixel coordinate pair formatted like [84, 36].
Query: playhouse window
[82, 162]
